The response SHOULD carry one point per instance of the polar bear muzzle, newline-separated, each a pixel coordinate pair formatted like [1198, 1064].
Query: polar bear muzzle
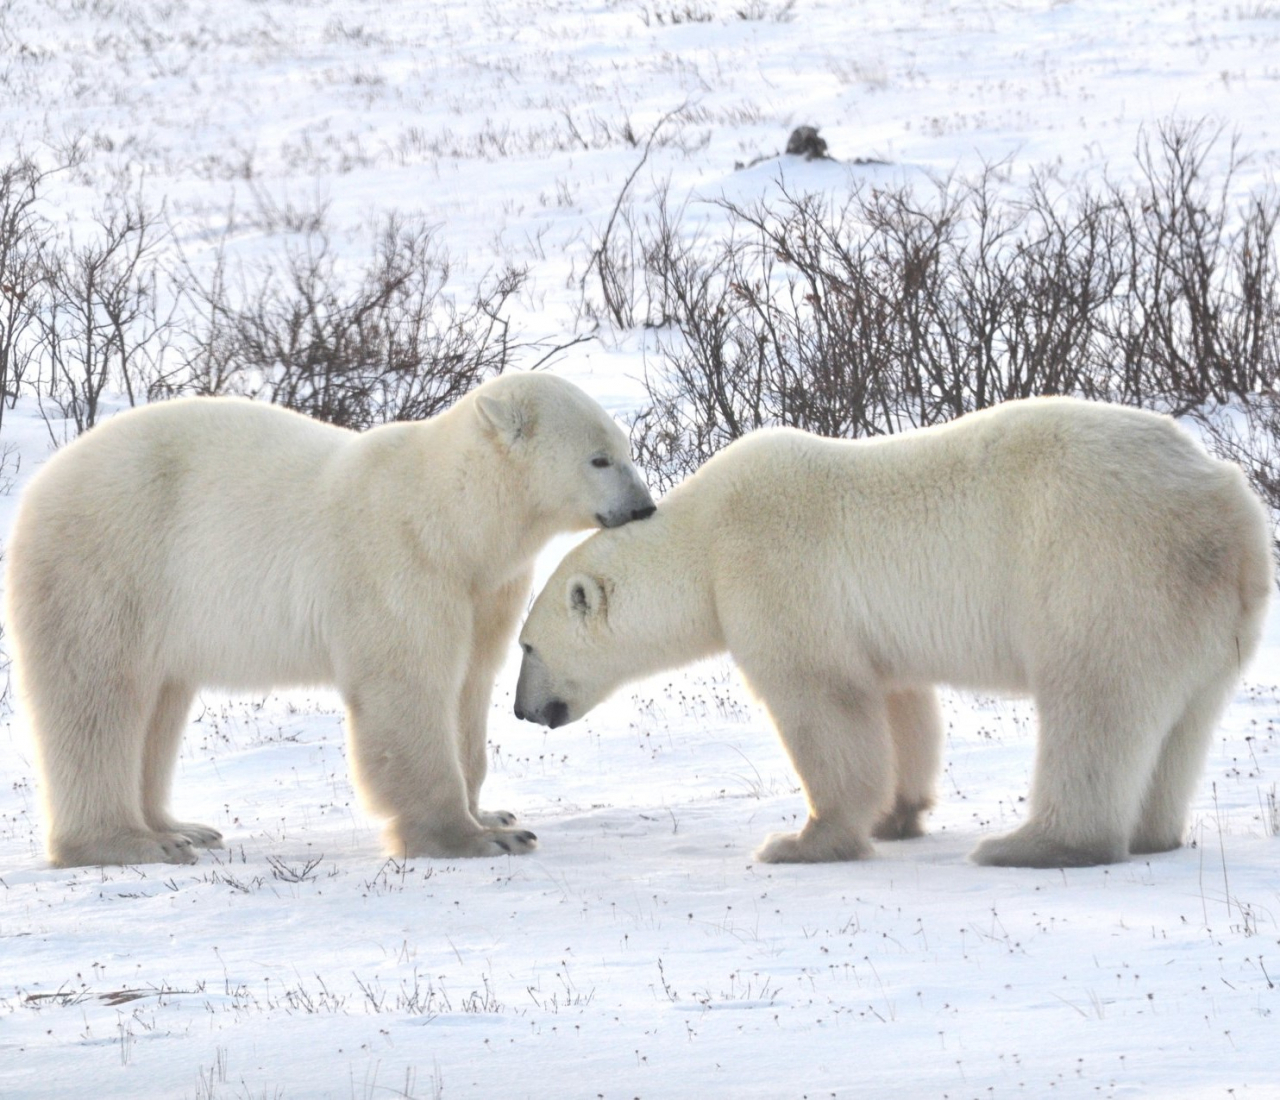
[617, 519]
[551, 714]
[634, 501]
[536, 700]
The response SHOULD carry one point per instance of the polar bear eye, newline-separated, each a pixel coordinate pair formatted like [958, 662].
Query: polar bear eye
[600, 462]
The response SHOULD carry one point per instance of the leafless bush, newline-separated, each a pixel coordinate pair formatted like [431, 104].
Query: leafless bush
[22, 231]
[897, 309]
[98, 310]
[390, 344]
[614, 255]
[100, 319]
[754, 10]
[1248, 433]
[273, 214]
[676, 14]
[1197, 316]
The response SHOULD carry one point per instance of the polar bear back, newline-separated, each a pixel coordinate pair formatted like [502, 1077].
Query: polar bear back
[981, 552]
[198, 508]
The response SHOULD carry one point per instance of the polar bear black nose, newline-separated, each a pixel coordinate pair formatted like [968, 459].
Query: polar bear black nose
[520, 712]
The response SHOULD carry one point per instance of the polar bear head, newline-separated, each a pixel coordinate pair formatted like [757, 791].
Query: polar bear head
[621, 605]
[569, 663]
[576, 460]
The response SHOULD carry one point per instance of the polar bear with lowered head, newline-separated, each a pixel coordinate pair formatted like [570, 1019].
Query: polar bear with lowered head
[218, 542]
[1090, 555]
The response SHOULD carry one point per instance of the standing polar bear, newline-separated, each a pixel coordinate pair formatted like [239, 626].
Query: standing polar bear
[1091, 555]
[217, 542]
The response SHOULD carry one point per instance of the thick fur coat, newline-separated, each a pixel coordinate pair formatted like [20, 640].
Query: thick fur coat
[217, 542]
[1092, 556]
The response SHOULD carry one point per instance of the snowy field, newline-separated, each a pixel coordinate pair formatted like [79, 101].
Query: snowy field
[639, 952]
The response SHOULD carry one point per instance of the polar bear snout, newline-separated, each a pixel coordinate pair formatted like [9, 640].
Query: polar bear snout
[551, 714]
[639, 505]
[536, 700]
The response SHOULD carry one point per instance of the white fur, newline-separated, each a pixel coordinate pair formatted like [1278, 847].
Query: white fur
[1089, 555]
[223, 543]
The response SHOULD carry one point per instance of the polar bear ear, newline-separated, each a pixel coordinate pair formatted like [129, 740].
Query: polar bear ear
[503, 416]
[585, 595]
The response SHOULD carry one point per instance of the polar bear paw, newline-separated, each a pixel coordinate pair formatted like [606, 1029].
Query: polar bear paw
[903, 822]
[1144, 843]
[407, 839]
[501, 819]
[515, 842]
[123, 848]
[814, 843]
[1030, 846]
[201, 836]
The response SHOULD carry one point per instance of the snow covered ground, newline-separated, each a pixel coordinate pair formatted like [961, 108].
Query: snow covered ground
[639, 952]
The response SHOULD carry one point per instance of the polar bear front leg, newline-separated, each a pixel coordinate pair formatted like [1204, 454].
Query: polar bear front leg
[838, 739]
[495, 626]
[406, 762]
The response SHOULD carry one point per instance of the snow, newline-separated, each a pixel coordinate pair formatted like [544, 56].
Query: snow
[639, 951]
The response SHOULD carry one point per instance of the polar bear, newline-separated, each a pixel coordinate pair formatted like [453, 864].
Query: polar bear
[1090, 555]
[224, 543]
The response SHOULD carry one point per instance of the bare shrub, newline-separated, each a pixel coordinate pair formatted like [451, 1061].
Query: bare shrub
[22, 231]
[676, 15]
[883, 313]
[272, 214]
[97, 311]
[100, 320]
[1248, 433]
[716, 369]
[755, 10]
[896, 309]
[1195, 320]
[614, 255]
[388, 344]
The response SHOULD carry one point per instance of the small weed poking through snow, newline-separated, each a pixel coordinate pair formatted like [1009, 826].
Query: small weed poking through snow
[394, 876]
[1270, 810]
[304, 872]
[414, 998]
[208, 1081]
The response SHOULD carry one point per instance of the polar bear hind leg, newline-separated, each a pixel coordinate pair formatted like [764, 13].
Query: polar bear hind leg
[838, 739]
[164, 738]
[1095, 756]
[92, 755]
[915, 723]
[1163, 819]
